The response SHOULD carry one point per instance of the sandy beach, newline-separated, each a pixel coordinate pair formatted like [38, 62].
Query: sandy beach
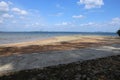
[54, 51]
[56, 44]
[59, 40]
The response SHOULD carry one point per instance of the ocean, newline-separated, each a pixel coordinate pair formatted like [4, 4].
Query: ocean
[14, 37]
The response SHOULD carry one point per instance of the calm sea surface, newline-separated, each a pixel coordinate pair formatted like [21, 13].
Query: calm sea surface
[13, 37]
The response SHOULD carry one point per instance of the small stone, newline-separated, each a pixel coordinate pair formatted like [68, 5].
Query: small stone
[84, 76]
[33, 79]
[78, 77]
[88, 78]
[39, 75]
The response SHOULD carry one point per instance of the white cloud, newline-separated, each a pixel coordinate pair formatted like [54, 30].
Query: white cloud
[36, 24]
[115, 21]
[78, 16]
[89, 4]
[4, 6]
[14, 18]
[89, 24]
[64, 24]
[22, 17]
[14, 21]
[7, 15]
[10, 3]
[19, 11]
[1, 21]
[108, 26]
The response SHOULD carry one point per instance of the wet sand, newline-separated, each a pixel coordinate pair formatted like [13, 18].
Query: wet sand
[107, 68]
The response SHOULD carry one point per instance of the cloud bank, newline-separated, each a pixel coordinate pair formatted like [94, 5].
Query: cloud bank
[89, 4]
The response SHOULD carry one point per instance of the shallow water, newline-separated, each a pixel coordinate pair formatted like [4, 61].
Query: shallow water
[13, 37]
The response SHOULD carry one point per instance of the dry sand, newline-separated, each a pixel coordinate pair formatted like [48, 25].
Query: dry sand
[56, 44]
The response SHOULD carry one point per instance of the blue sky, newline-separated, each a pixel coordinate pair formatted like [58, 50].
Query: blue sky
[60, 15]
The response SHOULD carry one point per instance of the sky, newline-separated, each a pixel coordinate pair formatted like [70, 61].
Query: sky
[60, 15]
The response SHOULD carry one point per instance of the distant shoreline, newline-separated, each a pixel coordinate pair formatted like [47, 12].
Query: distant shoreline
[51, 32]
